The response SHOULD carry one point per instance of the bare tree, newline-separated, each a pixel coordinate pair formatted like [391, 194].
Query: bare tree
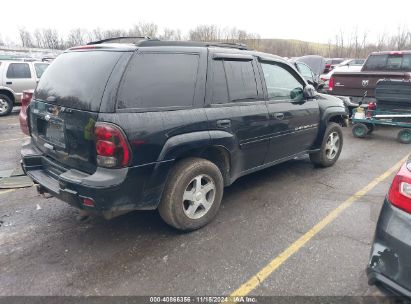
[170, 34]
[205, 33]
[401, 39]
[25, 37]
[51, 39]
[144, 29]
[76, 36]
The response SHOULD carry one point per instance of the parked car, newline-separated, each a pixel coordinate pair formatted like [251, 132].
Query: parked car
[310, 68]
[331, 63]
[168, 124]
[360, 86]
[389, 266]
[349, 65]
[25, 101]
[15, 77]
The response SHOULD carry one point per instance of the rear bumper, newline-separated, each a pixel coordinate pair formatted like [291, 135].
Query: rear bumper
[390, 262]
[125, 189]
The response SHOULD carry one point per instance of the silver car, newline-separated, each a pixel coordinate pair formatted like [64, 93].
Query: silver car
[16, 77]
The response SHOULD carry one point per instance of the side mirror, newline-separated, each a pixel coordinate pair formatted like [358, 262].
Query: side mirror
[297, 94]
[309, 92]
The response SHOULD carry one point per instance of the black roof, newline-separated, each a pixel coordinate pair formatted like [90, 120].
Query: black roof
[148, 41]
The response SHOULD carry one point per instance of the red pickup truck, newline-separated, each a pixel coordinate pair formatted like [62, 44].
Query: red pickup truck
[351, 87]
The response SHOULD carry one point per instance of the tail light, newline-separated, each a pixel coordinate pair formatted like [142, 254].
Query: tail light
[400, 190]
[26, 98]
[113, 150]
[331, 83]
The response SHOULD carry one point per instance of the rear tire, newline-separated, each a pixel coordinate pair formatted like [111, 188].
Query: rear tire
[192, 194]
[404, 136]
[6, 105]
[331, 147]
[360, 130]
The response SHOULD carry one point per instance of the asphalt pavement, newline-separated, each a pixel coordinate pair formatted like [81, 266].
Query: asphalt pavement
[44, 250]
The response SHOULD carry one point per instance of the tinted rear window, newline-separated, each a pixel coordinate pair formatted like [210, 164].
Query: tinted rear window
[385, 62]
[219, 83]
[77, 79]
[241, 80]
[18, 70]
[159, 80]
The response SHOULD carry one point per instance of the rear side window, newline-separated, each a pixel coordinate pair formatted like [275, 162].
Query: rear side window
[18, 70]
[40, 68]
[77, 79]
[241, 80]
[219, 83]
[159, 80]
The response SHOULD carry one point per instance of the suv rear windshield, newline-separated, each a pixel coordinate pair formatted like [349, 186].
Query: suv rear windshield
[77, 79]
[386, 62]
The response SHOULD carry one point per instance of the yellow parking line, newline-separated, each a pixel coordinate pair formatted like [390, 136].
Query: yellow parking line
[267, 270]
[20, 138]
[7, 191]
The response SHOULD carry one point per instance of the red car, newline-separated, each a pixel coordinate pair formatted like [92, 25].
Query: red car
[25, 101]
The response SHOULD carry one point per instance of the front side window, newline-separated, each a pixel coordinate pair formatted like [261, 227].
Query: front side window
[18, 70]
[281, 83]
[159, 80]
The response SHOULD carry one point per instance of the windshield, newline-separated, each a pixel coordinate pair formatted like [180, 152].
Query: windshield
[77, 79]
[40, 68]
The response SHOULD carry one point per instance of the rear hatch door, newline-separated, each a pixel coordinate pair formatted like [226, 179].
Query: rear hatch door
[66, 106]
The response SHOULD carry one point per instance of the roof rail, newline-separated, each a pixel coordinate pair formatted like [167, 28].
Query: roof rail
[122, 39]
[240, 46]
[156, 42]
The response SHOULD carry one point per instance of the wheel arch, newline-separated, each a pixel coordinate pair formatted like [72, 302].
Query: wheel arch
[214, 146]
[8, 93]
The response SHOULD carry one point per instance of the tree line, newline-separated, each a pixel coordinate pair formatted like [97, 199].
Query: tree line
[354, 44]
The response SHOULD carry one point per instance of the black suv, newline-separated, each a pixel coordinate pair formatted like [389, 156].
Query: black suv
[158, 124]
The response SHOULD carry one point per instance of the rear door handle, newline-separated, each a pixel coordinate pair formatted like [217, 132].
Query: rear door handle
[9, 82]
[279, 116]
[224, 123]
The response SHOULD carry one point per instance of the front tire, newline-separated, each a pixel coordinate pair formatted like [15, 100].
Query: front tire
[360, 130]
[6, 105]
[331, 147]
[192, 194]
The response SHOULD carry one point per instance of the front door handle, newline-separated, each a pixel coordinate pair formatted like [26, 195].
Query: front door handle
[224, 123]
[279, 116]
[9, 82]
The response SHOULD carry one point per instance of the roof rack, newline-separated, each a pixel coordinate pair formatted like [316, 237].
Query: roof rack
[148, 41]
[121, 39]
[157, 42]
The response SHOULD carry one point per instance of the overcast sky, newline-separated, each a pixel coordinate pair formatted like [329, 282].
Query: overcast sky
[316, 21]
